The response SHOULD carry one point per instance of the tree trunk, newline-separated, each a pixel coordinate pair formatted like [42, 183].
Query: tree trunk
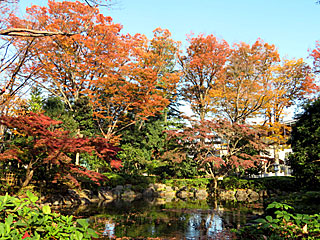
[215, 186]
[77, 162]
[29, 175]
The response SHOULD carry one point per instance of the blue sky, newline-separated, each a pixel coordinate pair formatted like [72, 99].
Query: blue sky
[292, 25]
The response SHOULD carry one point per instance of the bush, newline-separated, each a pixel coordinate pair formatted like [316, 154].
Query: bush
[189, 183]
[286, 184]
[282, 224]
[23, 219]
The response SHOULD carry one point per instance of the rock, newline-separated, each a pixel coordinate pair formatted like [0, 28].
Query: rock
[86, 193]
[160, 201]
[118, 188]
[169, 194]
[149, 192]
[227, 195]
[241, 195]
[85, 201]
[182, 194]
[67, 202]
[116, 193]
[169, 189]
[159, 187]
[201, 194]
[128, 195]
[254, 196]
[105, 195]
[138, 195]
[249, 191]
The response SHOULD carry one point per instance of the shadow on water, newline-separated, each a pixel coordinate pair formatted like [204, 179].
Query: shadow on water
[177, 219]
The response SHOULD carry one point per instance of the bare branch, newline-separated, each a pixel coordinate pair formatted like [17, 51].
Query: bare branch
[24, 32]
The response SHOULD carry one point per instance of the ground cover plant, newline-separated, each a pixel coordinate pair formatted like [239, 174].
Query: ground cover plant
[283, 223]
[22, 218]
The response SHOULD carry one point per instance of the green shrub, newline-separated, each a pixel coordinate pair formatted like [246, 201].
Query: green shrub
[114, 179]
[286, 184]
[231, 183]
[189, 183]
[23, 219]
[283, 224]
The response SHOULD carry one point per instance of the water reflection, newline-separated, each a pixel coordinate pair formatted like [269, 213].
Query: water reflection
[178, 219]
[109, 229]
[199, 226]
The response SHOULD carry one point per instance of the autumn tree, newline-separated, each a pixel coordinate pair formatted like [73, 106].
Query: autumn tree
[38, 145]
[220, 146]
[292, 82]
[143, 88]
[246, 87]
[203, 68]
[117, 73]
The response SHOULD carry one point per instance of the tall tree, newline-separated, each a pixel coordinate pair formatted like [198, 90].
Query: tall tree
[203, 68]
[118, 73]
[246, 88]
[305, 160]
[145, 86]
[292, 81]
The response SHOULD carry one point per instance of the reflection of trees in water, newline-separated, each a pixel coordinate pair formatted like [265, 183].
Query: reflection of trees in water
[122, 219]
[109, 229]
[200, 225]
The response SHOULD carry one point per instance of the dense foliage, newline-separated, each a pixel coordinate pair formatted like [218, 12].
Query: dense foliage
[38, 142]
[305, 144]
[282, 224]
[24, 219]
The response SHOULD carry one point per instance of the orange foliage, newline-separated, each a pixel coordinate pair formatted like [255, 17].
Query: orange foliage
[119, 73]
[245, 88]
[203, 68]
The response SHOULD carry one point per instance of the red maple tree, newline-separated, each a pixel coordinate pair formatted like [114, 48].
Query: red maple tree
[220, 146]
[38, 142]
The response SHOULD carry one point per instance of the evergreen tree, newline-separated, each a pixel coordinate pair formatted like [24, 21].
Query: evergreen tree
[305, 142]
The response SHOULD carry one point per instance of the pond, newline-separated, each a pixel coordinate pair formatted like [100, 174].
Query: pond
[177, 219]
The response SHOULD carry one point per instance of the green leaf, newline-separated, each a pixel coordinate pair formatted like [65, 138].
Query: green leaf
[46, 209]
[9, 219]
[2, 232]
[269, 218]
[92, 233]
[83, 222]
[20, 224]
[32, 197]
[77, 235]
[271, 205]
[286, 217]
[260, 220]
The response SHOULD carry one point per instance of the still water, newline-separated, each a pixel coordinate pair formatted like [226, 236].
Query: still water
[169, 220]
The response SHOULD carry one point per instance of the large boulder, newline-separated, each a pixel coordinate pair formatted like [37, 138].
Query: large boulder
[201, 194]
[241, 195]
[228, 195]
[128, 195]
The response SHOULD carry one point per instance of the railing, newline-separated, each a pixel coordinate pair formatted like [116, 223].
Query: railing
[10, 179]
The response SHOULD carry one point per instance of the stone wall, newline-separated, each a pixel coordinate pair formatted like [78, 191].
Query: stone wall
[154, 190]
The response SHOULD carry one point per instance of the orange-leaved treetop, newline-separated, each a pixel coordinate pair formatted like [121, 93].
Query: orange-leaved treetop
[203, 69]
[120, 74]
[245, 89]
